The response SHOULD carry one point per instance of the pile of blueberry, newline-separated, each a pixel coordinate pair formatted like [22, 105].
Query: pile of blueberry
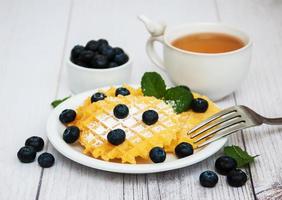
[226, 166]
[27, 154]
[98, 54]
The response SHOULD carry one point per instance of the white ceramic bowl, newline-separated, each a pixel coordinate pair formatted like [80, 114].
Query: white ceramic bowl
[81, 79]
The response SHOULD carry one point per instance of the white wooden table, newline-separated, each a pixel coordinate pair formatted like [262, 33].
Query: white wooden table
[35, 40]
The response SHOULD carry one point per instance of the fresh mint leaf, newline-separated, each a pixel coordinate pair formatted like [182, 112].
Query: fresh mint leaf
[55, 103]
[152, 84]
[179, 97]
[185, 87]
[241, 156]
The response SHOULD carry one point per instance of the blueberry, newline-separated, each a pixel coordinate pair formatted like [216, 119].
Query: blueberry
[71, 134]
[26, 154]
[225, 164]
[236, 178]
[102, 48]
[112, 65]
[199, 105]
[121, 111]
[183, 149]
[108, 52]
[46, 160]
[68, 115]
[102, 42]
[99, 61]
[150, 117]
[36, 142]
[80, 63]
[86, 56]
[120, 59]
[157, 155]
[116, 136]
[76, 50]
[92, 45]
[208, 179]
[118, 50]
[98, 96]
[122, 91]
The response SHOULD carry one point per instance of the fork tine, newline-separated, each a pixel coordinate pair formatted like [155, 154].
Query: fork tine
[230, 124]
[214, 117]
[225, 133]
[230, 117]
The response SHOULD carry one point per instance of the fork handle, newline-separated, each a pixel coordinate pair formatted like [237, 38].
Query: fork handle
[272, 121]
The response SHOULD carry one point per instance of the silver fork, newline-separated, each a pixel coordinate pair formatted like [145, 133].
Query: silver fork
[226, 122]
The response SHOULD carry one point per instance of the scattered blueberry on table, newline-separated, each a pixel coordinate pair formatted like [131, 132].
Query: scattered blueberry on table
[225, 164]
[236, 178]
[36, 142]
[46, 160]
[26, 154]
[208, 179]
[157, 155]
[98, 55]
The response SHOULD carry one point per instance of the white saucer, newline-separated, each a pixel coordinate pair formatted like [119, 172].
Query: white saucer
[55, 131]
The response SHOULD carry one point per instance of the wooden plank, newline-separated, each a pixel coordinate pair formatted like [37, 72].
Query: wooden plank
[31, 45]
[121, 28]
[261, 91]
[82, 182]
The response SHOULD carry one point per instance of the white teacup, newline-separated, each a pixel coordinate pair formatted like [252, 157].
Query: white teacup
[213, 74]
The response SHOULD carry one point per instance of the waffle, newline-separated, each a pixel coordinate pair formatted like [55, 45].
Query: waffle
[97, 119]
[188, 120]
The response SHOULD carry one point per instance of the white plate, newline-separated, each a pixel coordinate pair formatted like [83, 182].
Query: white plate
[74, 152]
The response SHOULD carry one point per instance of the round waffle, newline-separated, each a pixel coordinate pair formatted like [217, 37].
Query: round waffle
[96, 120]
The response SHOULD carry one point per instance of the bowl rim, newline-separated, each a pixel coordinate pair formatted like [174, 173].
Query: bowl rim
[78, 67]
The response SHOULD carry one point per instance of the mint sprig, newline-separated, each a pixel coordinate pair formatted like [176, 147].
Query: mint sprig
[152, 84]
[56, 102]
[180, 97]
[241, 156]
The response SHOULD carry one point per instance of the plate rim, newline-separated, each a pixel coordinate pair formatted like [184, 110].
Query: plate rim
[68, 151]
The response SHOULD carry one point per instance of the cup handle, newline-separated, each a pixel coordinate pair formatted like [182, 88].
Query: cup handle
[151, 52]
